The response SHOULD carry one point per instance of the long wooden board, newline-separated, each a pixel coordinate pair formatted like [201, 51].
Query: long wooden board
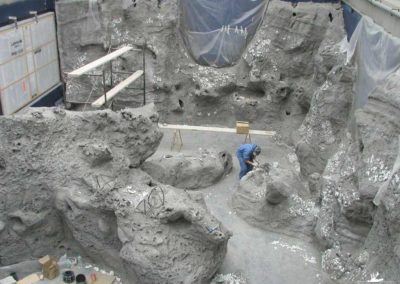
[212, 129]
[118, 88]
[103, 60]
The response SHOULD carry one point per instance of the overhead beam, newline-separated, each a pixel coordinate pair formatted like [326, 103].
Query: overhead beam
[101, 61]
[118, 88]
[212, 129]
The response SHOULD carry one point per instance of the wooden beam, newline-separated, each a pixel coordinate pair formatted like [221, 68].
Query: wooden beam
[118, 88]
[212, 129]
[101, 61]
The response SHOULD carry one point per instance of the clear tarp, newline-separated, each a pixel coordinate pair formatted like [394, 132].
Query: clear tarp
[377, 54]
[217, 32]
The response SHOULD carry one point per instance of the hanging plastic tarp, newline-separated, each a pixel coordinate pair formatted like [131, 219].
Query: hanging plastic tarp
[377, 54]
[351, 19]
[217, 32]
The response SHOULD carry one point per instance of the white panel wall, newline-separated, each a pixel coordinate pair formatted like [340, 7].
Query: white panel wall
[29, 63]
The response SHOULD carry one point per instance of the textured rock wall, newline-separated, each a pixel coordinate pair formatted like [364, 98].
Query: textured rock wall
[276, 200]
[292, 78]
[355, 221]
[271, 86]
[280, 200]
[322, 129]
[68, 180]
[45, 151]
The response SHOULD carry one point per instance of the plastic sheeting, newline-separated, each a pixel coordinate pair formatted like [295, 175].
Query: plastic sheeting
[351, 19]
[377, 54]
[217, 32]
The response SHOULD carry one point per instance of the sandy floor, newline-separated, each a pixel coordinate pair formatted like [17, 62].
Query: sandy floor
[259, 256]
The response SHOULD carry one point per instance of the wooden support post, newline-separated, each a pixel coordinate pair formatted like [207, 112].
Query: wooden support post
[177, 140]
[144, 72]
[104, 87]
[248, 137]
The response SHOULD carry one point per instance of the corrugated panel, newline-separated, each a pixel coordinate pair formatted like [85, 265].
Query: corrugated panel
[29, 63]
[15, 95]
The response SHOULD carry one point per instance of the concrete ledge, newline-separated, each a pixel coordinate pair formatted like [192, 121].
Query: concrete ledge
[386, 19]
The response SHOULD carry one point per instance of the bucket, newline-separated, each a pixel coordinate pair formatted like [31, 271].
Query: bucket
[80, 279]
[68, 276]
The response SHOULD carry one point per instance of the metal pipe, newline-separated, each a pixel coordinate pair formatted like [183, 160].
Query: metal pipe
[14, 20]
[104, 88]
[122, 72]
[34, 13]
[111, 74]
[385, 7]
[144, 72]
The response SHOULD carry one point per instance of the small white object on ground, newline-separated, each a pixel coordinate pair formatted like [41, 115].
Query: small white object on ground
[8, 280]
[374, 278]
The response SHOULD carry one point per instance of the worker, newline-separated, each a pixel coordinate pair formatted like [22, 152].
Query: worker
[246, 155]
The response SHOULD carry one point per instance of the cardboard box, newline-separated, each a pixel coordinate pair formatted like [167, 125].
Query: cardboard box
[49, 267]
[242, 127]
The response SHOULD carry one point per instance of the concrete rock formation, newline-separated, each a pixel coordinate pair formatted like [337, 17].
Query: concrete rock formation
[293, 79]
[276, 200]
[156, 233]
[72, 183]
[280, 201]
[190, 171]
[323, 127]
[358, 191]
[277, 191]
[271, 84]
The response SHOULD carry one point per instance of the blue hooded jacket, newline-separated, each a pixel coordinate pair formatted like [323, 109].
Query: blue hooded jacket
[245, 151]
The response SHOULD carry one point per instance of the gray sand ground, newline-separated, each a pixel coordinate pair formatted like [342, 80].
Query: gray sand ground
[259, 256]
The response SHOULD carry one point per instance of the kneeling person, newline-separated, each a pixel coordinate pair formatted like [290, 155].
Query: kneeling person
[246, 154]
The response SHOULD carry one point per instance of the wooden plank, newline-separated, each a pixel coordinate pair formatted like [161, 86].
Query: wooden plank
[30, 279]
[103, 60]
[262, 132]
[212, 129]
[118, 88]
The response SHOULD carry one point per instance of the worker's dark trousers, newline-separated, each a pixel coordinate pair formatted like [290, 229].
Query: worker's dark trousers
[244, 168]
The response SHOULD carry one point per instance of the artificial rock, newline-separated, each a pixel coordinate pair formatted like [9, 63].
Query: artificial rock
[73, 184]
[190, 171]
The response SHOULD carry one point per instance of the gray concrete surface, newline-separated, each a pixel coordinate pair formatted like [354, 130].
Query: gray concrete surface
[258, 255]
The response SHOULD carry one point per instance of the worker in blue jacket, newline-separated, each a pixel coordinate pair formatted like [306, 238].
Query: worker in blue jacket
[246, 154]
